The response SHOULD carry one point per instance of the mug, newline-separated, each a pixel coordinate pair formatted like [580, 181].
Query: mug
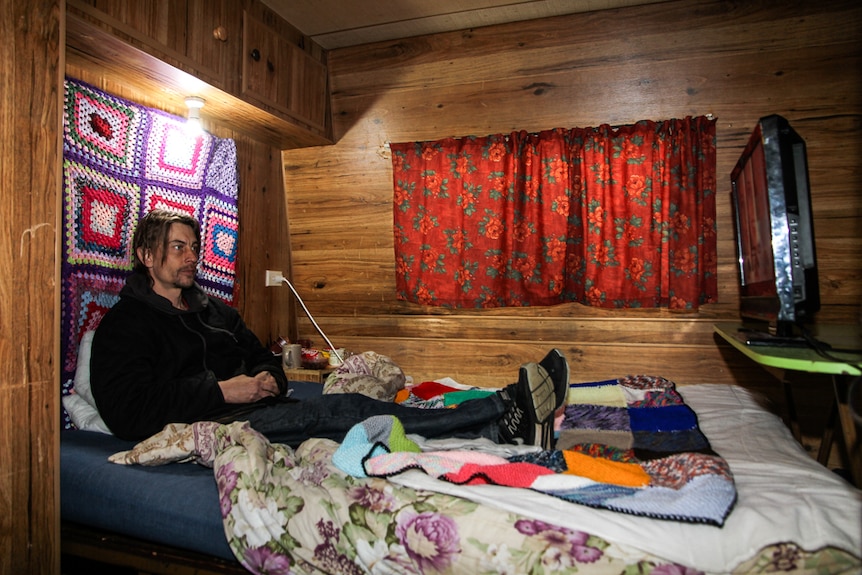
[291, 356]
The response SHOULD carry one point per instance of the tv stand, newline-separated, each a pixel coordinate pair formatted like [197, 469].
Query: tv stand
[778, 360]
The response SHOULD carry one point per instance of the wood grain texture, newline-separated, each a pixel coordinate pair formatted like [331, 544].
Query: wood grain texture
[737, 61]
[30, 44]
[264, 243]
[494, 363]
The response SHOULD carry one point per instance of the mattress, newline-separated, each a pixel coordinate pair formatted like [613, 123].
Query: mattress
[175, 505]
[789, 508]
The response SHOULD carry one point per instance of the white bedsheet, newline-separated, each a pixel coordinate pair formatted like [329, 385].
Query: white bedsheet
[783, 494]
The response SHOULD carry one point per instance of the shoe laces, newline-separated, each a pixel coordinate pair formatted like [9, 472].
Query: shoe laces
[513, 420]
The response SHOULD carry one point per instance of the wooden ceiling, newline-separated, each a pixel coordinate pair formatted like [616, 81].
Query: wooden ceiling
[340, 23]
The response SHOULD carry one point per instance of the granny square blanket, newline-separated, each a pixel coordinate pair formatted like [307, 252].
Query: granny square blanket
[629, 445]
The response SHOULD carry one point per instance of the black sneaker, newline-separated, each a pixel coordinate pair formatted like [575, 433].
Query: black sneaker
[530, 417]
[558, 368]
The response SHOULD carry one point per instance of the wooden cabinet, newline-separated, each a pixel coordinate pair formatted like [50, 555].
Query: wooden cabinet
[309, 88]
[262, 62]
[162, 21]
[213, 39]
[279, 74]
[200, 37]
[243, 59]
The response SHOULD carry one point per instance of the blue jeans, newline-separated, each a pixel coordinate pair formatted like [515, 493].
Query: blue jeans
[332, 416]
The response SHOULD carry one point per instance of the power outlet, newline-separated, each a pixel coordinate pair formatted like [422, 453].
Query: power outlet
[273, 278]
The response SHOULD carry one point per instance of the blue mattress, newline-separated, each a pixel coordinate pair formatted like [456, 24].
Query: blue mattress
[174, 504]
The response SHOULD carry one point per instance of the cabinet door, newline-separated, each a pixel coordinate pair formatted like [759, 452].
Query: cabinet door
[201, 37]
[261, 62]
[163, 21]
[308, 88]
[213, 39]
[281, 75]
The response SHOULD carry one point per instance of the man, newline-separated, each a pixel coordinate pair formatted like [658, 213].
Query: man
[168, 353]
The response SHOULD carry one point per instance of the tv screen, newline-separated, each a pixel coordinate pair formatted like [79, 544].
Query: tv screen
[778, 279]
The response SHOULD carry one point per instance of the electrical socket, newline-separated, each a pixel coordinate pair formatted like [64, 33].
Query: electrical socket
[273, 278]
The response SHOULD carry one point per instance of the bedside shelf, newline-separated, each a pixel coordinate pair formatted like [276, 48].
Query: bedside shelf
[302, 374]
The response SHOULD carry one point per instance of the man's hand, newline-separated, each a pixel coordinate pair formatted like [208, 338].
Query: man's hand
[246, 389]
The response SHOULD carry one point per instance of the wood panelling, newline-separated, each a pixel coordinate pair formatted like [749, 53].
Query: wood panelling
[737, 61]
[340, 23]
[264, 242]
[30, 47]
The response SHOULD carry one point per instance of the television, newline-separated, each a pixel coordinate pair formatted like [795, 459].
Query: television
[771, 200]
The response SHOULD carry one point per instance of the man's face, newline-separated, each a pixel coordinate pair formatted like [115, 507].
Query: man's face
[176, 268]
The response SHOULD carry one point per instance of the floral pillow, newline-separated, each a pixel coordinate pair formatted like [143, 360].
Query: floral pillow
[368, 373]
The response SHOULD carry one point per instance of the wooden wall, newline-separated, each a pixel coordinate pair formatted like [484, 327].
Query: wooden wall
[736, 60]
[30, 45]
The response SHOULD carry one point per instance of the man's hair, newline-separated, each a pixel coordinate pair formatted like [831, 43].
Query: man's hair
[153, 232]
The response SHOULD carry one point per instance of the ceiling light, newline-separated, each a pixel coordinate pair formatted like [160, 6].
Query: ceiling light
[194, 104]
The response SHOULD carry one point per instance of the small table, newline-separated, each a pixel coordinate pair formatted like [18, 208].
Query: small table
[303, 374]
[779, 360]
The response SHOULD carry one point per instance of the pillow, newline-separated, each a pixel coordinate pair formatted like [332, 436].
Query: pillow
[80, 404]
[368, 373]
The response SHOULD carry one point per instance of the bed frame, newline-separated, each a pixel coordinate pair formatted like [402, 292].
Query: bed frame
[84, 550]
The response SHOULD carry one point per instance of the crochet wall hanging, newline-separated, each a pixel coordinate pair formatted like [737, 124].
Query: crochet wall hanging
[121, 160]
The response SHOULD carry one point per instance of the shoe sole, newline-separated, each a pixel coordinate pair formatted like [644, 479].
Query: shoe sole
[542, 395]
[558, 369]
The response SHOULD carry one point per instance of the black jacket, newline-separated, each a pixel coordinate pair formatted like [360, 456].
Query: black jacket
[153, 364]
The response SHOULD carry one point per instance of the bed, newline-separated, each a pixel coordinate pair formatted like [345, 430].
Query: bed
[223, 491]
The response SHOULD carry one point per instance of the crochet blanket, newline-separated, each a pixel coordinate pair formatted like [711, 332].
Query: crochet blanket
[629, 445]
[121, 160]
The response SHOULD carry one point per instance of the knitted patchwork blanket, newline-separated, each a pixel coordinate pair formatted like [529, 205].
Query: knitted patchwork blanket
[629, 445]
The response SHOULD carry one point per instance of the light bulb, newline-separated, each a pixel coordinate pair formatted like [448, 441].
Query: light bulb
[193, 121]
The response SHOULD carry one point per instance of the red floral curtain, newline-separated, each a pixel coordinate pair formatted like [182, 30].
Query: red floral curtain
[608, 217]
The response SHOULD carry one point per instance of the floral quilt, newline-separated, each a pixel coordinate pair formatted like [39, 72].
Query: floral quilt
[289, 511]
